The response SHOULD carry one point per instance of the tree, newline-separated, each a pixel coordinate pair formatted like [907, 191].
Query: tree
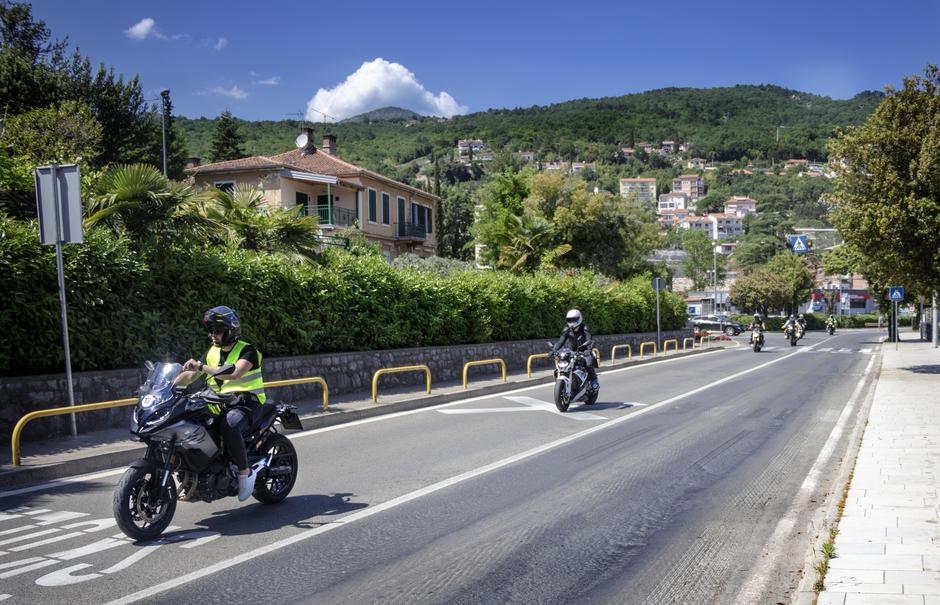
[455, 216]
[843, 260]
[761, 291]
[754, 251]
[887, 195]
[796, 274]
[700, 259]
[227, 142]
[65, 133]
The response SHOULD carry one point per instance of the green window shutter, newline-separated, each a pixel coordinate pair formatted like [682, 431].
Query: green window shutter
[385, 209]
[429, 219]
[371, 206]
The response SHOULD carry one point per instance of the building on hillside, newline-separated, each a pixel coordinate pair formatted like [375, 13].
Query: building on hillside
[796, 163]
[395, 215]
[568, 167]
[527, 156]
[672, 201]
[647, 148]
[697, 163]
[667, 148]
[627, 152]
[691, 185]
[579, 166]
[465, 146]
[740, 205]
[483, 156]
[641, 190]
[716, 225]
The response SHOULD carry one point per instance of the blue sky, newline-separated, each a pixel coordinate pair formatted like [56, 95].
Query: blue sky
[266, 60]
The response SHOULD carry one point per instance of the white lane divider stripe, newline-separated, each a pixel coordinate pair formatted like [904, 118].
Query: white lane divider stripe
[52, 540]
[430, 489]
[37, 534]
[58, 517]
[17, 530]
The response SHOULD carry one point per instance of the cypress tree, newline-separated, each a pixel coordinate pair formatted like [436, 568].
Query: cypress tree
[227, 142]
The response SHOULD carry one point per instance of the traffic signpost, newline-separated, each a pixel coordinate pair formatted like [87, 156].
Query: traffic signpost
[895, 295]
[59, 207]
[658, 284]
[799, 244]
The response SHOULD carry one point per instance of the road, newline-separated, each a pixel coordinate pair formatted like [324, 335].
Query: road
[666, 491]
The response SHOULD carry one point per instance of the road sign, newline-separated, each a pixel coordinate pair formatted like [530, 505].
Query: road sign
[659, 284]
[896, 293]
[59, 204]
[799, 244]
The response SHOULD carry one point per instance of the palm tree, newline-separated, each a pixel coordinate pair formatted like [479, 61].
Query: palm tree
[526, 243]
[245, 221]
[144, 203]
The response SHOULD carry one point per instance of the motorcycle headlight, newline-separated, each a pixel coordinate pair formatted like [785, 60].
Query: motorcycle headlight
[563, 364]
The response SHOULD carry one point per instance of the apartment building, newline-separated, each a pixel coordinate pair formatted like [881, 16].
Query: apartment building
[641, 190]
[691, 185]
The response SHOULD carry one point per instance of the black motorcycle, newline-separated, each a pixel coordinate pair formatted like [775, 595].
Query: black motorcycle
[186, 459]
[571, 379]
[831, 329]
[791, 335]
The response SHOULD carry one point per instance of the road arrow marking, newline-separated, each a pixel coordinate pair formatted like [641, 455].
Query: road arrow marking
[546, 406]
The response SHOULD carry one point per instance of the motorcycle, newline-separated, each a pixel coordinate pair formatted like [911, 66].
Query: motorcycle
[186, 458]
[757, 340]
[800, 332]
[831, 329]
[791, 335]
[571, 379]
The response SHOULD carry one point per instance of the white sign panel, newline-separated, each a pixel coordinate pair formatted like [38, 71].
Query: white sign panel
[59, 204]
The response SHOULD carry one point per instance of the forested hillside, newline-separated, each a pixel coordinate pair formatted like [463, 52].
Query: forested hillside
[721, 124]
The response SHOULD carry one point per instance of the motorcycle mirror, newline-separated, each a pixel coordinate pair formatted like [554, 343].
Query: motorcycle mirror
[149, 365]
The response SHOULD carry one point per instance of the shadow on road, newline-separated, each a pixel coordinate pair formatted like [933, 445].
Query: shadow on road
[295, 511]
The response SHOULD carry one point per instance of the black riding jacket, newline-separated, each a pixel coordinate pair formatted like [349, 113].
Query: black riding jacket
[575, 339]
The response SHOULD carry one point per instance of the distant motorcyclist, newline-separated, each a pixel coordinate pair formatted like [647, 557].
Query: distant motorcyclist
[757, 324]
[831, 324]
[791, 322]
[576, 336]
[802, 322]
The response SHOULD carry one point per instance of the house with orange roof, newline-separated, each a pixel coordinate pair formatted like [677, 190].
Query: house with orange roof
[690, 184]
[395, 215]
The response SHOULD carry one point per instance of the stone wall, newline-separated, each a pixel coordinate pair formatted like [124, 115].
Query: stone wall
[343, 372]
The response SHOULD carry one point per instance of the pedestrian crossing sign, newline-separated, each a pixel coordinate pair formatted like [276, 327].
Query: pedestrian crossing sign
[896, 293]
[798, 243]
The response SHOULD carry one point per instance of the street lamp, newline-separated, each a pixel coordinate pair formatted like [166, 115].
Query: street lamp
[165, 95]
[715, 281]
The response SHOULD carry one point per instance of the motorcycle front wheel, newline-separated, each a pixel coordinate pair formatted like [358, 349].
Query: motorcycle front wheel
[561, 398]
[141, 508]
[276, 481]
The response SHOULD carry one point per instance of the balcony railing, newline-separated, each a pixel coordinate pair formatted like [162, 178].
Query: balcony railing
[341, 217]
[410, 231]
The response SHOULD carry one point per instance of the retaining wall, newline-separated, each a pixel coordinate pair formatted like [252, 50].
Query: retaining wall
[343, 372]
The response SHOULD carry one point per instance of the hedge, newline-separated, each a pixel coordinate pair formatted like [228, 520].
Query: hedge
[127, 305]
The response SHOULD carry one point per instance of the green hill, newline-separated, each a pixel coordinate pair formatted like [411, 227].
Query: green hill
[720, 124]
[385, 114]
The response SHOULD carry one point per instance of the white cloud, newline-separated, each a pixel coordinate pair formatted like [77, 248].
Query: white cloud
[376, 84]
[220, 43]
[143, 29]
[272, 81]
[235, 92]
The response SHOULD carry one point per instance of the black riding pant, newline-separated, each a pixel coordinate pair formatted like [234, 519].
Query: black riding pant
[235, 422]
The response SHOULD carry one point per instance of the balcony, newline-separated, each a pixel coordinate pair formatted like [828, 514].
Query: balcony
[335, 216]
[410, 231]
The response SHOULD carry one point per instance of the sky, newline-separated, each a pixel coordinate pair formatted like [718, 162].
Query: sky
[278, 59]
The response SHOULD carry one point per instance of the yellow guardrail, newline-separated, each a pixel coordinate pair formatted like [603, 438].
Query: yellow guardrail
[380, 372]
[528, 363]
[687, 340]
[643, 346]
[666, 345]
[104, 405]
[613, 352]
[483, 362]
[702, 340]
[597, 356]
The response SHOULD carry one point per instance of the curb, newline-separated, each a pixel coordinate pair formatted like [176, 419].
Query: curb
[18, 476]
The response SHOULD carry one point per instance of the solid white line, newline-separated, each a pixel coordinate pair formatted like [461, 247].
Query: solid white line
[60, 482]
[488, 410]
[760, 576]
[378, 508]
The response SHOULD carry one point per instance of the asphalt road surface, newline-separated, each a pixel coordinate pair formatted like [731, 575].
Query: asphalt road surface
[668, 490]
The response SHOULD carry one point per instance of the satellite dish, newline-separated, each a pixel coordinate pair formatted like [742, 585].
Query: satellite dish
[301, 140]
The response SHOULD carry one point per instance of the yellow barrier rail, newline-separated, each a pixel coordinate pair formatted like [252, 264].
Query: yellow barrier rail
[116, 403]
[643, 346]
[686, 340]
[380, 372]
[613, 352]
[666, 345]
[702, 340]
[528, 363]
[597, 356]
[483, 362]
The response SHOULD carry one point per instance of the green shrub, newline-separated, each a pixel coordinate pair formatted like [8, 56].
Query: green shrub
[127, 305]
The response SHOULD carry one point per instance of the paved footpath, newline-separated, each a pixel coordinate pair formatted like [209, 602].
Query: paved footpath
[888, 546]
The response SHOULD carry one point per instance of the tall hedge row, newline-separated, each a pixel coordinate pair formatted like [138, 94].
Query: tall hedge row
[126, 306]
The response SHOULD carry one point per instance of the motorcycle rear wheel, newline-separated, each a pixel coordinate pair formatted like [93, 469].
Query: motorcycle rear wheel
[276, 482]
[138, 513]
[561, 398]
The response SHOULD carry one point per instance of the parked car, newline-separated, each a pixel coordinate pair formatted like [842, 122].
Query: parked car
[714, 323]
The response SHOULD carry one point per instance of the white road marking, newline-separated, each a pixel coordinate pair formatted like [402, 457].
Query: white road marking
[44, 532]
[864, 351]
[760, 576]
[36, 511]
[825, 350]
[52, 540]
[419, 493]
[6, 516]
[58, 517]
[17, 530]
[488, 410]
[300, 435]
[547, 406]
[4, 597]
[27, 569]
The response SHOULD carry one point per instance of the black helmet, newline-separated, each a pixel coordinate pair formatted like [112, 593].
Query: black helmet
[223, 319]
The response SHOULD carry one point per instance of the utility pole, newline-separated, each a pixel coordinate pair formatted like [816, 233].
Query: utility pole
[165, 95]
[933, 319]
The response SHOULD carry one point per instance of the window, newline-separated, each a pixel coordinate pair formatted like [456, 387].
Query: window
[302, 200]
[371, 205]
[385, 209]
[224, 185]
[428, 222]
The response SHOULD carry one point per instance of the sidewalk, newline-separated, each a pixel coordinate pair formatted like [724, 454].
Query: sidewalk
[888, 547]
[110, 448]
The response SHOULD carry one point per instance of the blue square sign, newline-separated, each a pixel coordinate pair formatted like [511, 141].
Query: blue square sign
[896, 293]
[798, 244]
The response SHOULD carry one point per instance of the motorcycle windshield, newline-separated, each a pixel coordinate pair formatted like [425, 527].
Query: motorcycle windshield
[158, 388]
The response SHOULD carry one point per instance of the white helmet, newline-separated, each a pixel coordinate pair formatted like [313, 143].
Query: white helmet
[573, 318]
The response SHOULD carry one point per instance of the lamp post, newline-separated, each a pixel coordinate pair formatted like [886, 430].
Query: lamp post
[165, 95]
[715, 280]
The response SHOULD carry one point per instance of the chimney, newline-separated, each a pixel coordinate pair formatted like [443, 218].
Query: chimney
[329, 144]
[192, 162]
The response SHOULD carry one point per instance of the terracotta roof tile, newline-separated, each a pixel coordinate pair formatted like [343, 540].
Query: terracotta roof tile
[259, 162]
